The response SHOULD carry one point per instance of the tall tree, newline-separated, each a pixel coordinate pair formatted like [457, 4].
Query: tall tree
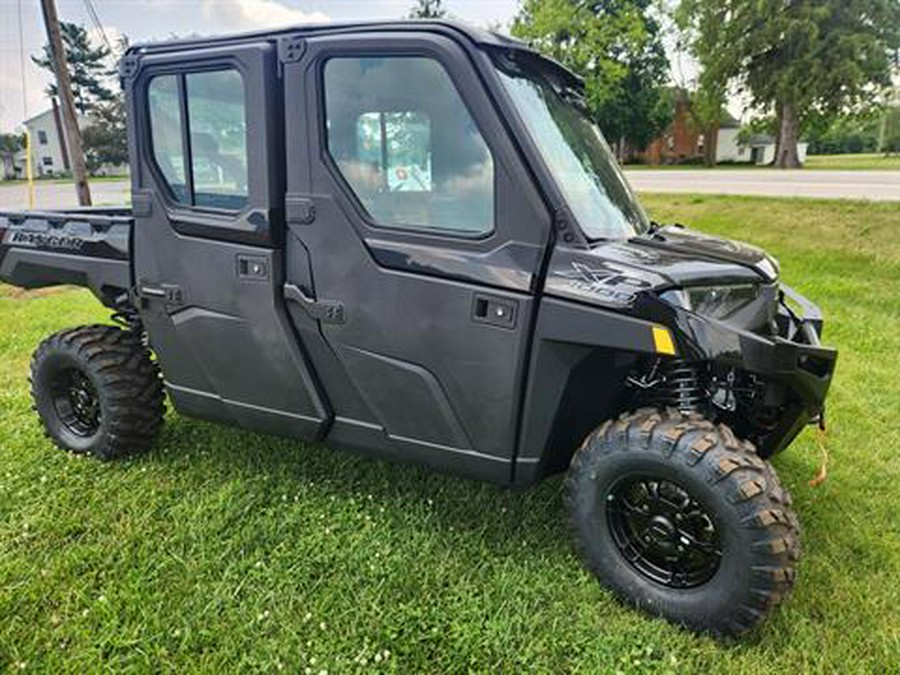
[105, 140]
[616, 46]
[700, 30]
[88, 67]
[800, 58]
[428, 9]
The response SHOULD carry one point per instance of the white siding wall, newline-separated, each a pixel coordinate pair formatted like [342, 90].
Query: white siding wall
[769, 154]
[51, 149]
[46, 156]
[727, 148]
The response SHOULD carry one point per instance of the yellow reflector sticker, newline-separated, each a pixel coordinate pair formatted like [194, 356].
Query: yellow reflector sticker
[662, 339]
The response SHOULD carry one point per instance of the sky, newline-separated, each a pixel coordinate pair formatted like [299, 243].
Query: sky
[146, 20]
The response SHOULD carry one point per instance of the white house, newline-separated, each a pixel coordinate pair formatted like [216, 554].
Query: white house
[759, 148]
[682, 142]
[49, 145]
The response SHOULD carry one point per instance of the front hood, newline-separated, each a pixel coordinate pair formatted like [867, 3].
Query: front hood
[703, 246]
[615, 273]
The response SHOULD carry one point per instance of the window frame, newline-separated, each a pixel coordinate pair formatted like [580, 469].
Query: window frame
[181, 75]
[336, 174]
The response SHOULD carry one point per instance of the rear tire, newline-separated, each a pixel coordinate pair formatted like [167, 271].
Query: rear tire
[681, 519]
[97, 391]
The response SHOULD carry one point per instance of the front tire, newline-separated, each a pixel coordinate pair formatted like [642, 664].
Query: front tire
[683, 520]
[97, 391]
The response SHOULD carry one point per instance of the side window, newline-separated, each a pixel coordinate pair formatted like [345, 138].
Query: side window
[218, 126]
[403, 139]
[167, 133]
[204, 164]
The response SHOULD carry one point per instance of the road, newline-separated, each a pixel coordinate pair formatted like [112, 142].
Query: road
[875, 185]
[53, 195]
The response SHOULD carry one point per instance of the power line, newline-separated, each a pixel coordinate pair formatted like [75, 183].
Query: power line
[22, 65]
[95, 19]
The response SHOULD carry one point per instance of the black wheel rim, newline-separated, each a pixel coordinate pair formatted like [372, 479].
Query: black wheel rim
[663, 531]
[76, 402]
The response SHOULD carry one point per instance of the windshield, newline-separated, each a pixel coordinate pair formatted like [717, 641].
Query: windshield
[581, 162]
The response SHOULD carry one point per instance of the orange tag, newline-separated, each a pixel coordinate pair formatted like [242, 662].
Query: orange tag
[822, 472]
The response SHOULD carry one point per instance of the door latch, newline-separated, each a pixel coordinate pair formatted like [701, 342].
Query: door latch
[168, 293]
[495, 311]
[326, 311]
[252, 268]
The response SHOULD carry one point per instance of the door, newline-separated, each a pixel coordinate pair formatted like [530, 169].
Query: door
[208, 259]
[414, 238]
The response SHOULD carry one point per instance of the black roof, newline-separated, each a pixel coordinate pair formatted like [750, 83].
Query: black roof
[477, 35]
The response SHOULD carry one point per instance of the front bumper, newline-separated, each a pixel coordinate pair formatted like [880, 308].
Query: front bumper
[793, 358]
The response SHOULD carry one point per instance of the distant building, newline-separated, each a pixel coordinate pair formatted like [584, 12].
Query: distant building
[682, 143]
[758, 149]
[50, 146]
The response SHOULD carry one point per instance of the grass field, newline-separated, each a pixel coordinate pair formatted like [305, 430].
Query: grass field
[866, 161]
[225, 550]
[862, 161]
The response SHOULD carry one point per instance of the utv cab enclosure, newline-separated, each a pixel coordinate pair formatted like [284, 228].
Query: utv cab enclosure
[409, 240]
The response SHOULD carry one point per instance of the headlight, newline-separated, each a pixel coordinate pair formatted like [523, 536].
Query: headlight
[717, 302]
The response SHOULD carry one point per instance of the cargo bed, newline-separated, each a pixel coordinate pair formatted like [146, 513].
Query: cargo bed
[87, 247]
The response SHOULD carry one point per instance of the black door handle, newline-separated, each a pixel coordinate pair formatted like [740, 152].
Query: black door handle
[326, 311]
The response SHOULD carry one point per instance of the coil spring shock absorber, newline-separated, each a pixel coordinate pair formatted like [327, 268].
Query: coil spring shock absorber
[681, 386]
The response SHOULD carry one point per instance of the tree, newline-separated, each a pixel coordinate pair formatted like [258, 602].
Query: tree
[889, 127]
[10, 145]
[616, 46]
[700, 28]
[840, 134]
[428, 9]
[105, 140]
[87, 66]
[800, 58]
[889, 137]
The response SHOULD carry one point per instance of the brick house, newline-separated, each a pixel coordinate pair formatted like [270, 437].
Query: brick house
[683, 143]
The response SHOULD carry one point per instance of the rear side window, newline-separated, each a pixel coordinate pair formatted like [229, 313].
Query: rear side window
[402, 138]
[166, 129]
[199, 137]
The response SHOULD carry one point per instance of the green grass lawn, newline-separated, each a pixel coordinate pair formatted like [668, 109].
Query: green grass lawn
[857, 161]
[862, 161]
[223, 549]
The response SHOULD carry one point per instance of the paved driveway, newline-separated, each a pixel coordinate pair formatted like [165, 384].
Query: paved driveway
[876, 185]
[50, 195]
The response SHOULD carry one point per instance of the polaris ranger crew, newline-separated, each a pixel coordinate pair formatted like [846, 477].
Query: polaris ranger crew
[410, 240]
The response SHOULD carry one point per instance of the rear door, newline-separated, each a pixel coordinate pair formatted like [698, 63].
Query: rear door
[208, 195]
[415, 236]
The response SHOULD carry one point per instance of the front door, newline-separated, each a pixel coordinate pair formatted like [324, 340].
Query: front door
[209, 264]
[414, 239]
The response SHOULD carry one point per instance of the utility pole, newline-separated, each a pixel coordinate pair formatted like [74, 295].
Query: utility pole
[64, 87]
